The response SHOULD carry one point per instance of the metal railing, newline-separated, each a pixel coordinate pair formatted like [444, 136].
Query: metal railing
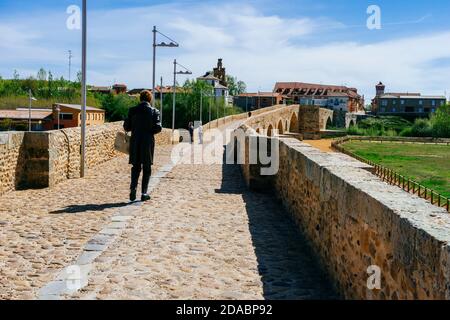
[396, 179]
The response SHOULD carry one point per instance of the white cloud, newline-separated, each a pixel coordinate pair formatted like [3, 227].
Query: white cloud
[259, 49]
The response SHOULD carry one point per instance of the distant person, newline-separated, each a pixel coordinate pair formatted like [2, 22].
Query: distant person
[191, 131]
[249, 114]
[200, 133]
[144, 122]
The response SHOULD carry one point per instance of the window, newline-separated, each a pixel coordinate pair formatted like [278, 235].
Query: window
[394, 110]
[433, 103]
[402, 102]
[421, 102]
[384, 103]
[409, 109]
[394, 102]
[427, 110]
[383, 109]
[66, 116]
[420, 110]
[442, 103]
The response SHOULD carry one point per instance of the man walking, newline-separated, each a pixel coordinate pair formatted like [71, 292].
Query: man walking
[144, 122]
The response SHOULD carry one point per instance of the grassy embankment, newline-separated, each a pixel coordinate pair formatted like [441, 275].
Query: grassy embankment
[428, 164]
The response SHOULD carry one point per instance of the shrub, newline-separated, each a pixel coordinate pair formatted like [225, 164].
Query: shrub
[5, 124]
[422, 128]
[440, 122]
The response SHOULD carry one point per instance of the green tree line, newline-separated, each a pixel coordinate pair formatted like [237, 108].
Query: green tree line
[437, 126]
[48, 90]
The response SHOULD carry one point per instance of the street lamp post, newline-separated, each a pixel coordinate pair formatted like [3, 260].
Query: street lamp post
[201, 107]
[83, 91]
[171, 44]
[202, 93]
[58, 109]
[210, 115]
[70, 65]
[31, 99]
[175, 72]
[161, 98]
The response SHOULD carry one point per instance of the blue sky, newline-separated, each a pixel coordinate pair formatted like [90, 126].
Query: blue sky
[261, 41]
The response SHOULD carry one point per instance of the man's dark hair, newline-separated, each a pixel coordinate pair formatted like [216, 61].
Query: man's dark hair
[146, 96]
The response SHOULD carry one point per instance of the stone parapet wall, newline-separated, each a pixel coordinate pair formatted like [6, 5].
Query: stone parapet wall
[44, 159]
[11, 160]
[354, 221]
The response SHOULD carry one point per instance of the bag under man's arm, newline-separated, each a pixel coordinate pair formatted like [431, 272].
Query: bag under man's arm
[157, 126]
[127, 126]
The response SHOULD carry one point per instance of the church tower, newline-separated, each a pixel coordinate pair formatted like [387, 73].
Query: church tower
[220, 73]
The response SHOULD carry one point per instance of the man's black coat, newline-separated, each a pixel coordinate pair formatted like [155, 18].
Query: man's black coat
[144, 122]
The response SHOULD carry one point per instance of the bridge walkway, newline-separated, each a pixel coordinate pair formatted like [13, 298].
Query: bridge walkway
[204, 235]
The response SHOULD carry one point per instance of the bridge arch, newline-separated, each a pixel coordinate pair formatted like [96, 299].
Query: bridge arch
[280, 127]
[270, 130]
[329, 123]
[293, 124]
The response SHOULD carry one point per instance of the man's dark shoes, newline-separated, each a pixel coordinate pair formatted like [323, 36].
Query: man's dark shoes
[133, 195]
[145, 197]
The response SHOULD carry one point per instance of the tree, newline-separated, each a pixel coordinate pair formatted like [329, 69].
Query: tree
[5, 124]
[440, 122]
[42, 74]
[235, 86]
[16, 75]
[29, 84]
[241, 87]
[79, 76]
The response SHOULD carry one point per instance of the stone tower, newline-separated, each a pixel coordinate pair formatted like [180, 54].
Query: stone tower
[220, 73]
[380, 89]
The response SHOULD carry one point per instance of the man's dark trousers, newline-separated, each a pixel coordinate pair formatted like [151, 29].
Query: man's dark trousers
[136, 172]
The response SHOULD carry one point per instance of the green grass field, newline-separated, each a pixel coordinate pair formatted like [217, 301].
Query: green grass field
[427, 164]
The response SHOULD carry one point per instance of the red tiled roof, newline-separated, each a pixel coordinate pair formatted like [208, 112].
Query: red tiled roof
[260, 94]
[311, 89]
[302, 85]
[77, 107]
[24, 115]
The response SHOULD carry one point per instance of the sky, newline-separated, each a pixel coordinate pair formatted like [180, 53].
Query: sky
[260, 41]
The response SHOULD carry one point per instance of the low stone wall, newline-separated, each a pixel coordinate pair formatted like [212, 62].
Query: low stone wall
[396, 139]
[223, 121]
[354, 221]
[11, 160]
[44, 159]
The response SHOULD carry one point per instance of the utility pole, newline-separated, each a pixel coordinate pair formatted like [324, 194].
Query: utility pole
[83, 92]
[171, 44]
[201, 107]
[174, 94]
[161, 98]
[70, 64]
[154, 61]
[29, 111]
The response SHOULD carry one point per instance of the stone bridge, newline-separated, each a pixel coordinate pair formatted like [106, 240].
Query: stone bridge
[305, 122]
[207, 234]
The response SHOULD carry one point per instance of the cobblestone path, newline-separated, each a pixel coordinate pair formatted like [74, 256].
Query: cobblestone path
[204, 235]
[41, 231]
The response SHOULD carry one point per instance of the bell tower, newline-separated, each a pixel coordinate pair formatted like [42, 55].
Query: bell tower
[220, 73]
[380, 89]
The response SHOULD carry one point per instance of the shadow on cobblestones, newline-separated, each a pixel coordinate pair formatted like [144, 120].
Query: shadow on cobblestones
[90, 207]
[288, 268]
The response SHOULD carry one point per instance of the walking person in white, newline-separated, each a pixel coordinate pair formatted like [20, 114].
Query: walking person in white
[200, 134]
